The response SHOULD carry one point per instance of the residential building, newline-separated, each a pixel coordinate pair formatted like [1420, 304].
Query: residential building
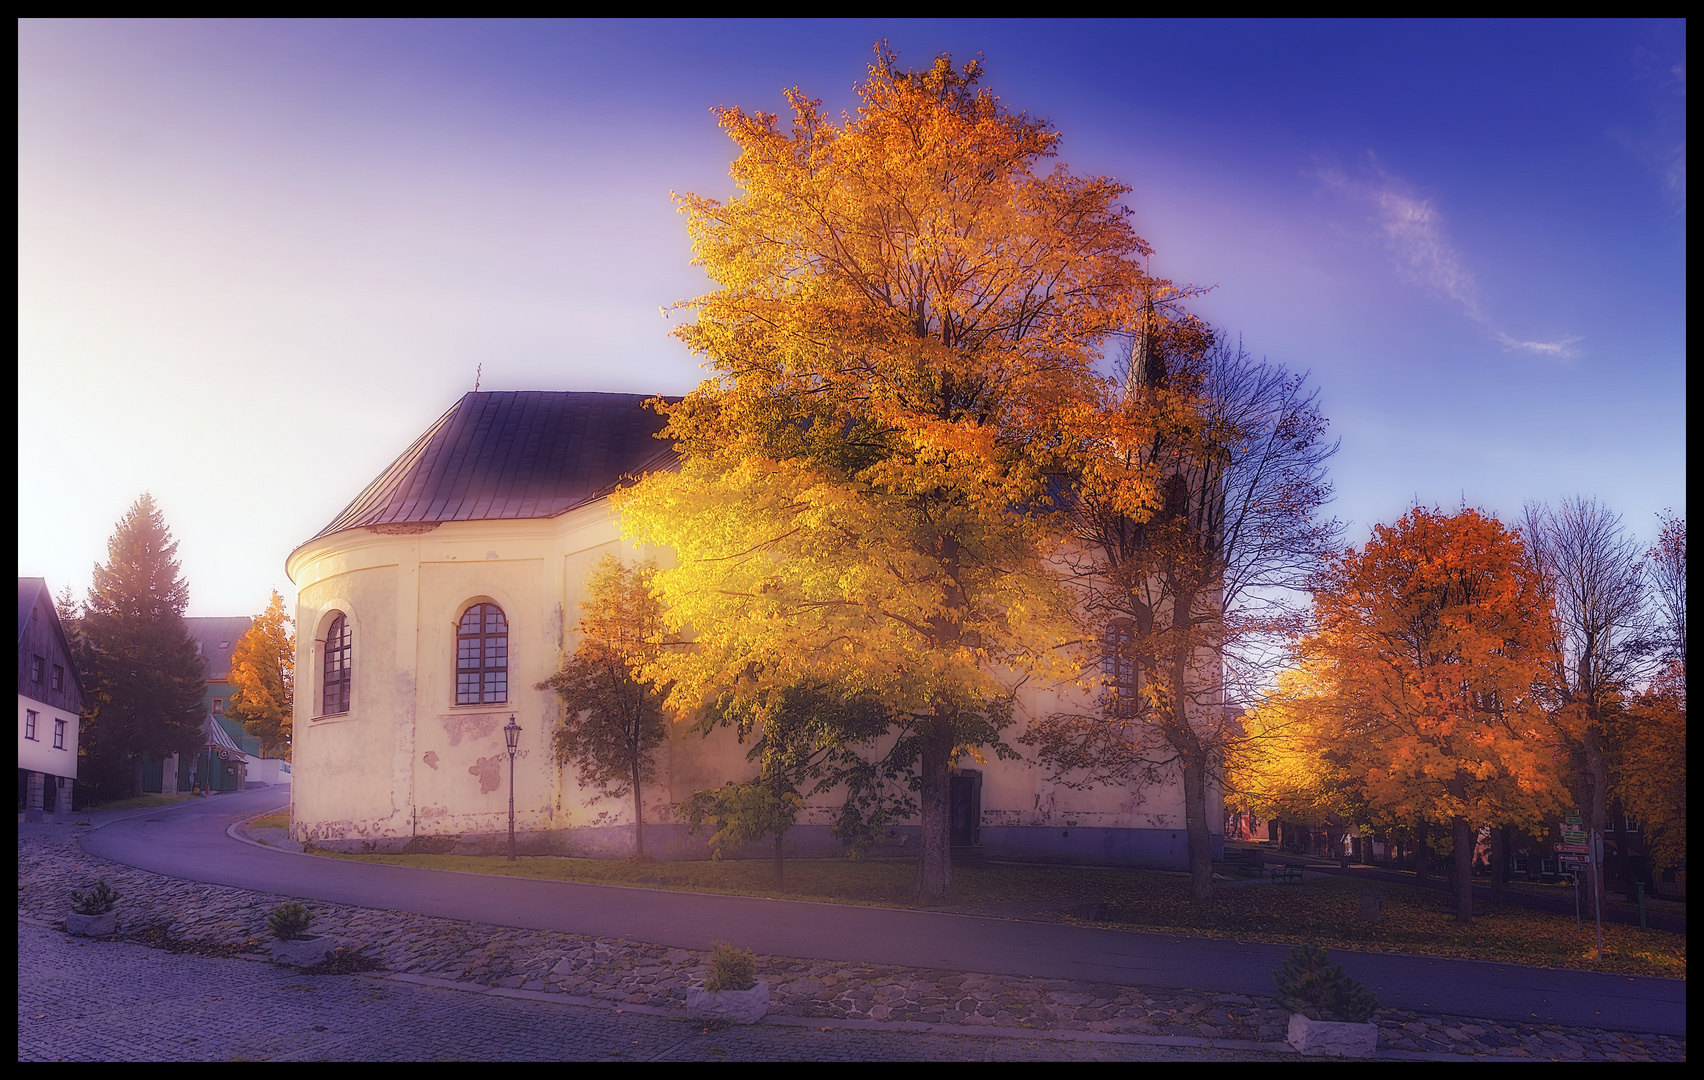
[50, 705]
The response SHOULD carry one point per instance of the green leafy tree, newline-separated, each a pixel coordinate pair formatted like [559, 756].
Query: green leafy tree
[806, 739]
[613, 719]
[263, 673]
[145, 681]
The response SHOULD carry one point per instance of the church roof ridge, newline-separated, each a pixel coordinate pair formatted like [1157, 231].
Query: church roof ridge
[513, 454]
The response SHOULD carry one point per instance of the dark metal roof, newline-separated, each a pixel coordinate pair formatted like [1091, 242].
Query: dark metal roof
[215, 639]
[514, 454]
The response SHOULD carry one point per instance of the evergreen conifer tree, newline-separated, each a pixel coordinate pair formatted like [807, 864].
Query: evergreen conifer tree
[145, 681]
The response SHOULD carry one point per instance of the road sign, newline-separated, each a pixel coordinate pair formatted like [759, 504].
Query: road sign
[1572, 849]
[1573, 830]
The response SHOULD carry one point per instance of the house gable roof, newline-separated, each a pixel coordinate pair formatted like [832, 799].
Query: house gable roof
[215, 640]
[513, 454]
[33, 596]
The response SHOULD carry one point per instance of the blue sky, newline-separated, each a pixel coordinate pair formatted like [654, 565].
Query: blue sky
[257, 259]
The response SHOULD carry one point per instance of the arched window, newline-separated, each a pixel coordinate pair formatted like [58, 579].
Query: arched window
[1118, 669]
[482, 656]
[1122, 674]
[335, 698]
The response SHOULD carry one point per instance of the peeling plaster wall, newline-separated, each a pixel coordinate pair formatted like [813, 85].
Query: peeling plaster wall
[342, 770]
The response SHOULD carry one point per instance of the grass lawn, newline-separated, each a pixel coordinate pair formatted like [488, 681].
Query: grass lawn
[1321, 909]
[278, 819]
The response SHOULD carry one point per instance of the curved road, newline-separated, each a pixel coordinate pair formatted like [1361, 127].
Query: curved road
[191, 841]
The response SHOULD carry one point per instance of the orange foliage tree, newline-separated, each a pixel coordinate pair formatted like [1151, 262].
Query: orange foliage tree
[1437, 639]
[907, 314]
[263, 678]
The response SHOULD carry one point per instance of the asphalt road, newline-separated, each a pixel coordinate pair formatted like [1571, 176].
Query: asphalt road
[191, 841]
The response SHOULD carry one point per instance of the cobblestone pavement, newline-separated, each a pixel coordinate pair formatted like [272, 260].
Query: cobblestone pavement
[545, 969]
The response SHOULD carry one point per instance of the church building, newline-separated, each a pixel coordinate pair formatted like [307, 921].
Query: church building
[432, 606]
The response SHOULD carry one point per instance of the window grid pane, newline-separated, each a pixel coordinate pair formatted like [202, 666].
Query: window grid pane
[336, 696]
[482, 656]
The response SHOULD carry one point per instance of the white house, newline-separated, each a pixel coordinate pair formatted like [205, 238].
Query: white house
[50, 705]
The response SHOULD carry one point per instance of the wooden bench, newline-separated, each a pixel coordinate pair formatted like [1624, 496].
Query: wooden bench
[1286, 873]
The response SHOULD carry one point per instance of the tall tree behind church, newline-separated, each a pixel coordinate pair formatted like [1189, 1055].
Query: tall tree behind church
[145, 679]
[263, 675]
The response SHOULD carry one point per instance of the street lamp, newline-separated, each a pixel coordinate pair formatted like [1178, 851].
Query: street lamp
[512, 736]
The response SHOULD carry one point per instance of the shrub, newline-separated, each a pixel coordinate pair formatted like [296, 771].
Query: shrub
[1320, 991]
[289, 921]
[731, 969]
[97, 901]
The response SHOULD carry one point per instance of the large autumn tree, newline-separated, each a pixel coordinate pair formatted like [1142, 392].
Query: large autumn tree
[144, 680]
[1651, 779]
[613, 719]
[263, 678]
[1187, 595]
[908, 309]
[1436, 639]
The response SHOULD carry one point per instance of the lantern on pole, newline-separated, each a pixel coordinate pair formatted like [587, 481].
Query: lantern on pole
[512, 736]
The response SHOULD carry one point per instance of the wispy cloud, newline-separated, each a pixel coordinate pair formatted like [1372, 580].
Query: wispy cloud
[1660, 142]
[1413, 230]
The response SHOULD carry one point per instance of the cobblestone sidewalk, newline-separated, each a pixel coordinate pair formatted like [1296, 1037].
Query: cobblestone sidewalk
[627, 973]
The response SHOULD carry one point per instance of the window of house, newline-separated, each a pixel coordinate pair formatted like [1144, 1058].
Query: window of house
[1118, 669]
[29, 723]
[58, 677]
[335, 696]
[482, 656]
[37, 667]
[218, 706]
[59, 734]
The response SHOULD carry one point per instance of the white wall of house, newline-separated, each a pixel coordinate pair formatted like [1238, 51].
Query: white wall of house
[39, 754]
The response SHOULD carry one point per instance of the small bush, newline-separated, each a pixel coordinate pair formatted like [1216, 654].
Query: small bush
[289, 921]
[97, 901]
[731, 969]
[1320, 991]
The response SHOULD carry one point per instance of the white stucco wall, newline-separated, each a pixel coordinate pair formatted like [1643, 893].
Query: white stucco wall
[39, 754]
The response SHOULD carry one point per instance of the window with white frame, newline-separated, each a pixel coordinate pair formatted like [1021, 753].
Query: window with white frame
[29, 723]
[482, 656]
[59, 734]
[336, 677]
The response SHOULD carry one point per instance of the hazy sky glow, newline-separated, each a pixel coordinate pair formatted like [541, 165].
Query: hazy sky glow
[257, 259]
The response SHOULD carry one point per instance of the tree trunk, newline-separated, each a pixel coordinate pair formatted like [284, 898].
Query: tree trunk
[1422, 855]
[935, 864]
[638, 818]
[1594, 810]
[1462, 837]
[1499, 861]
[1195, 820]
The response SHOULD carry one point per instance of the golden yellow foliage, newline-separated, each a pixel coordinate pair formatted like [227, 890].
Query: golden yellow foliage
[906, 318]
[263, 678]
